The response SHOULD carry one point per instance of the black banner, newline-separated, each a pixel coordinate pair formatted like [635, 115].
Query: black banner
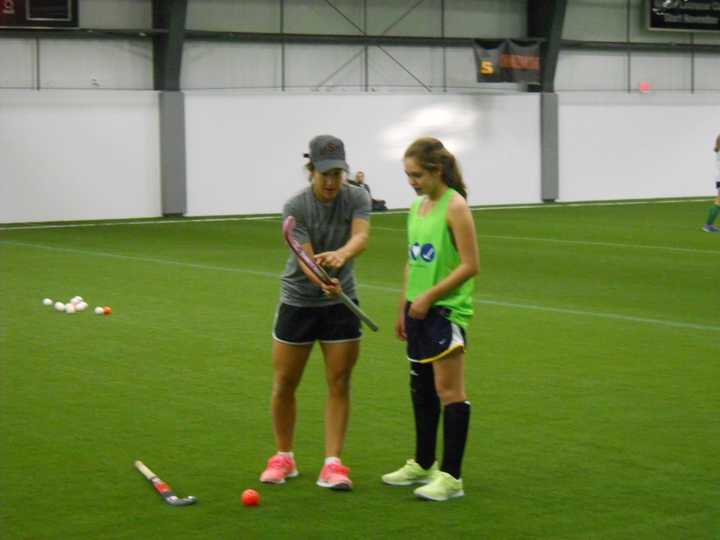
[507, 60]
[684, 15]
[38, 13]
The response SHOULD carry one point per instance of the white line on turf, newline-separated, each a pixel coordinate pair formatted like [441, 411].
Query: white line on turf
[141, 259]
[602, 315]
[591, 203]
[395, 290]
[578, 242]
[165, 221]
[159, 221]
[584, 313]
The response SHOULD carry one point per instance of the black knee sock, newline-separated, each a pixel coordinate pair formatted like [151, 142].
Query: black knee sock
[456, 419]
[426, 406]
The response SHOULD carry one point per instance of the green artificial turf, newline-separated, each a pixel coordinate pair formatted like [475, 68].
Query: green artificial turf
[593, 371]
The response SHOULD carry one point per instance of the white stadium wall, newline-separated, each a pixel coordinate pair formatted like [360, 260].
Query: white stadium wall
[76, 155]
[79, 122]
[630, 146]
[244, 152]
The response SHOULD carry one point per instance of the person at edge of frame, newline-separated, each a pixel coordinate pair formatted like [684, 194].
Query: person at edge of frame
[715, 208]
[435, 310]
[332, 225]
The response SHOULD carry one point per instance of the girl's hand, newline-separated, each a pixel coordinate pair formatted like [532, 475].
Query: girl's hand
[331, 259]
[420, 307]
[400, 328]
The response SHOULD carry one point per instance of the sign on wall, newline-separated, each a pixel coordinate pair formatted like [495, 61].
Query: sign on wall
[507, 60]
[38, 13]
[684, 15]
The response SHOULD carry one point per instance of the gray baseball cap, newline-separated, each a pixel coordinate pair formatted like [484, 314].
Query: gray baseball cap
[327, 152]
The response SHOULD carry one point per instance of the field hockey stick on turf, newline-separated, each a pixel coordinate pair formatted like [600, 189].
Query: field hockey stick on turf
[320, 273]
[162, 488]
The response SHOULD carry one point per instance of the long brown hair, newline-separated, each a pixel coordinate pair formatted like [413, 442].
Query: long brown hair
[717, 144]
[431, 155]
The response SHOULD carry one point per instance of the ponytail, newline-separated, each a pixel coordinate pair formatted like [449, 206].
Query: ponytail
[452, 176]
[431, 155]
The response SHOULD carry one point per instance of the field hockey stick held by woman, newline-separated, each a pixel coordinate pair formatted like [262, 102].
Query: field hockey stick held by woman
[320, 273]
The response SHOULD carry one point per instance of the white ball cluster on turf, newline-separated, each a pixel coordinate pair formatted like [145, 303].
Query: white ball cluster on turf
[99, 311]
[70, 308]
[81, 306]
[59, 306]
[47, 302]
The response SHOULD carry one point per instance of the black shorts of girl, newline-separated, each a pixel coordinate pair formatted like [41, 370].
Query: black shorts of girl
[433, 337]
[296, 325]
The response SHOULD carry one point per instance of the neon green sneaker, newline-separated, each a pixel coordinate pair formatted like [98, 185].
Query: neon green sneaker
[409, 474]
[442, 488]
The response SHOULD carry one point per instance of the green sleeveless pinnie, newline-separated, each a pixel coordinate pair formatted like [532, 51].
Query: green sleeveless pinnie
[432, 256]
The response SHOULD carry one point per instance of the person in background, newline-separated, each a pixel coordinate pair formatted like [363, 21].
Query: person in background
[378, 205]
[715, 208]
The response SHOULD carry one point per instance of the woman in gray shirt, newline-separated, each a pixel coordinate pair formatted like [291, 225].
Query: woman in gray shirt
[332, 225]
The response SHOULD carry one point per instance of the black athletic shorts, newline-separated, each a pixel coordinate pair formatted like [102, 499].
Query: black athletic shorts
[433, 337]
[305, 325]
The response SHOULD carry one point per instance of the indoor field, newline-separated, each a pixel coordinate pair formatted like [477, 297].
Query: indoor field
[591, 367]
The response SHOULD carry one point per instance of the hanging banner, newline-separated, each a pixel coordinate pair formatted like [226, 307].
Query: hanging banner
[684, 15]
[507, 60]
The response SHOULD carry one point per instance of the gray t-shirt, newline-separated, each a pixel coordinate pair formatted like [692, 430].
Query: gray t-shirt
[327, 227]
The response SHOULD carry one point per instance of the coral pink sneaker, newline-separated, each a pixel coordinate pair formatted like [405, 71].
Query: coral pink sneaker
[335, 476]
[278, 469]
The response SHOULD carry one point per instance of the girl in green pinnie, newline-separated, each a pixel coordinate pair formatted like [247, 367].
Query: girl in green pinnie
[435, 310]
